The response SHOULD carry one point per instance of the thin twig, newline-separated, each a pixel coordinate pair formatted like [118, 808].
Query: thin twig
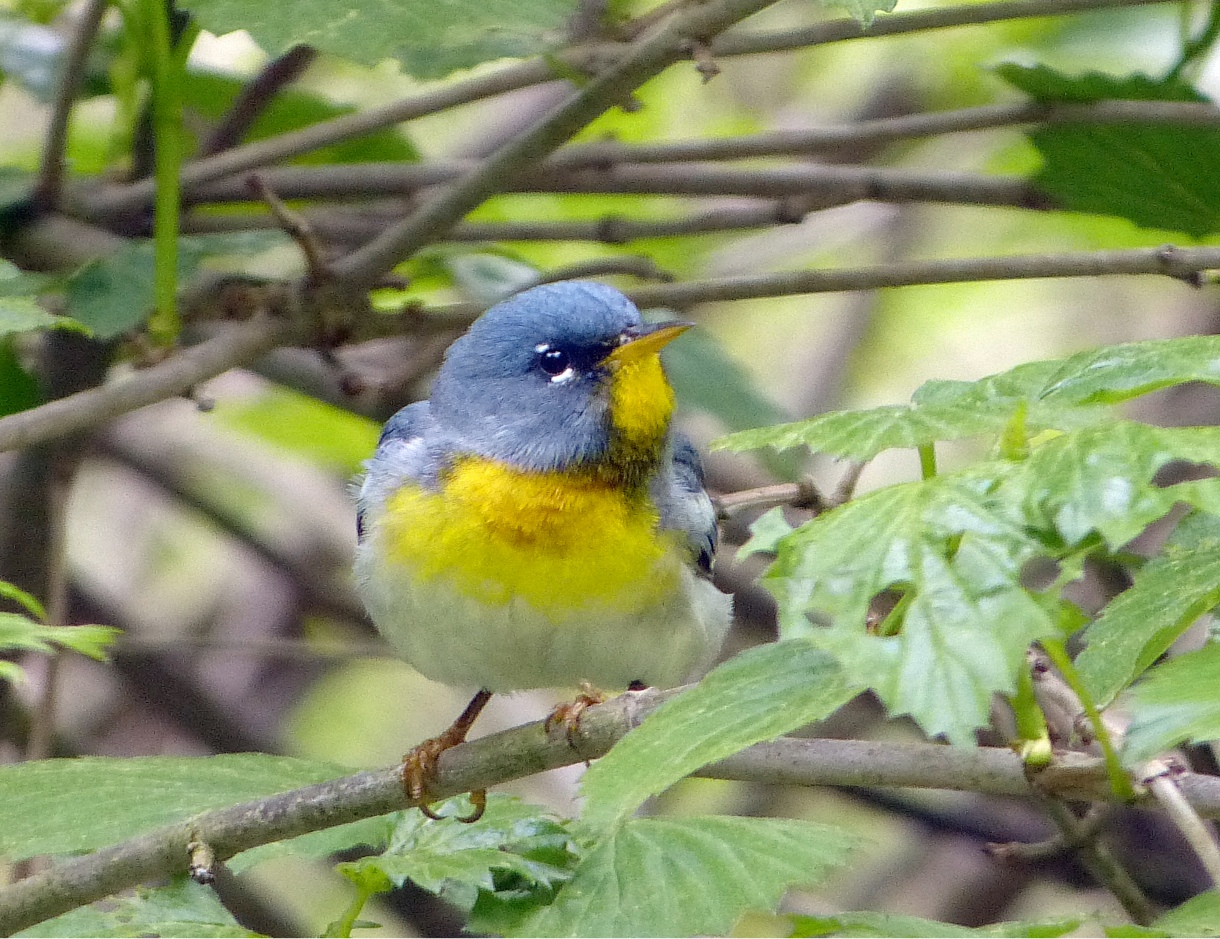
[802, 495]
[129, 198]
[821, 185]
[525, 750]
[1158, 776]
[297, 227]
[254, 98]
[72, 76]
[236, 345]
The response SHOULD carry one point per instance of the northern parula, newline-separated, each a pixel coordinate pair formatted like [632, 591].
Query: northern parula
[537, 523]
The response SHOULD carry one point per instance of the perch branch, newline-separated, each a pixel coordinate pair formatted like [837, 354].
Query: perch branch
[529, 749]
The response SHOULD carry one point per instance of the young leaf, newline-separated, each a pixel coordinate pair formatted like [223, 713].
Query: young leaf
[1157, 175]
[688, 876]
[183, 908]
[430, 40]
[512, 837]
[1050, 395]
[1198, 916]
[869, 925]
[50, 806]
[758, 695]
[1175, 702]
[1173, 590]
[23, 633]
[26, 599]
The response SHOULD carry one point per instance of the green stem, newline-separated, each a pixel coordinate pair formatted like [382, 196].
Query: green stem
[1194, 48]
[1119, 781]
[343, 926]
[164, 323]
[927, 460]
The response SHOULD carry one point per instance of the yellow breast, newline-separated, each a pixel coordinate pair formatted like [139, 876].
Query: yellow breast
[559, 541]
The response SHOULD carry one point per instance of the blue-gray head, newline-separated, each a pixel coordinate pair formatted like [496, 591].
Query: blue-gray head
[543, 380]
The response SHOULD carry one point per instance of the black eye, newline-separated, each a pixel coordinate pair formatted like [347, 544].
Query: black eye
[554, 361]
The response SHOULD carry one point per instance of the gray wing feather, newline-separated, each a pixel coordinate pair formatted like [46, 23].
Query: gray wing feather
[403, 452]
[684, 505]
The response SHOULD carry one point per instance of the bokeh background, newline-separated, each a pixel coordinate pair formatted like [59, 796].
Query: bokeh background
[218, 532]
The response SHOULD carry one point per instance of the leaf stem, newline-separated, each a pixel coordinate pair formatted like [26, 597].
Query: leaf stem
[164, 323]
[342, 927]
[1119, 781]
[927, 460]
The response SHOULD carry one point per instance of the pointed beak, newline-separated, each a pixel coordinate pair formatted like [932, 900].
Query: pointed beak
[639, 342]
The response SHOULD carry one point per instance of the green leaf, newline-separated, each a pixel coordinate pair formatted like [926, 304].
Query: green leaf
[512, 837]
[1156, 175]
[114, 294]
[430, 40]
[19, 308]
[870, 925]
[757, 695]
[184, 908]
[688, 876]
[1198, 916]
[1050, 395]
[1175, 702]
[18, 389]
[1171, 591]
[50, 806]
[19, 632]
[24, 598]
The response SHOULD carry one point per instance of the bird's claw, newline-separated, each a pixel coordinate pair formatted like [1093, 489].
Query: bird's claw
[568, 715]
[419, 765]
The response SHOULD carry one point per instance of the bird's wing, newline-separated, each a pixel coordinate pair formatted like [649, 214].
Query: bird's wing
[684, 505]
[402, 454]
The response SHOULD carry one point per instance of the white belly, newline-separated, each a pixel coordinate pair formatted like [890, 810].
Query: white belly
[513, 646]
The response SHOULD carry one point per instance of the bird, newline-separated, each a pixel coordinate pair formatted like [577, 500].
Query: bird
[538, 522]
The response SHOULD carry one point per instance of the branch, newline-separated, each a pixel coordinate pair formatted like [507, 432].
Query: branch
[133, 197]
[72, 75]
[822, 185]
[236, 345]
[1181, 263]
[255, 97]
[894, 24]
[528, 749]
[646, 58]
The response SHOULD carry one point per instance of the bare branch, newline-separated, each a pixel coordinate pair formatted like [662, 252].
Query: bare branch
[236, 345]
[528, 749]
[255, 97]
[1159, 776]
[821, 185]
[72, 75]
[650, 55]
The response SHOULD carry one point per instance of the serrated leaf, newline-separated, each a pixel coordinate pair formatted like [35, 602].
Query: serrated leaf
[51, 806]
[757, 695]
[1049, 395]
[512, 837]
[429, 39]
[1156, 175]
[1198, 916]
[1175, 702]
[183, 908]
[688, 876]
[868, 925]
[1169, 593]
[19, 632]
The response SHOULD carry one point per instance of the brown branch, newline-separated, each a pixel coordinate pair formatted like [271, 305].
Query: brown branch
[529, 749]
[72, 76]
[234, 346]
[254, 98]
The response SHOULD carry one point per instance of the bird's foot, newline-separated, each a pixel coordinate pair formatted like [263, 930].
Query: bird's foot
[419, 766]
[568, 715]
